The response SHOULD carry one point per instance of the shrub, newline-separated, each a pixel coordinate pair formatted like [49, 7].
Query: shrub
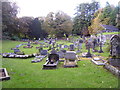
[15, 38]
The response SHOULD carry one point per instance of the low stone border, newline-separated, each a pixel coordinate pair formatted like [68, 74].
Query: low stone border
[112, 69]
[7, 55]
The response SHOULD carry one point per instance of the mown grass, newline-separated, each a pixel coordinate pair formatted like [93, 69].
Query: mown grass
[108, 33]
[25, 74]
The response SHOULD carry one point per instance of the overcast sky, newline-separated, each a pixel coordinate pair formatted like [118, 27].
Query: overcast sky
[38, 8]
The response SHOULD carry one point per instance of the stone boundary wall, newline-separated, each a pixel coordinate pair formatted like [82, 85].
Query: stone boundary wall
[112, 69]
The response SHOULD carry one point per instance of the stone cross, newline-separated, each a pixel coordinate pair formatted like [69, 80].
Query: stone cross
[100, 51]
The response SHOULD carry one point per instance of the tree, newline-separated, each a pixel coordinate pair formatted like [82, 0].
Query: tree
[106, 15]
[35, 29]
[24, 26]
[96, 24]
[58, 24]
[84, 15]
[9, 19]
[118, 16]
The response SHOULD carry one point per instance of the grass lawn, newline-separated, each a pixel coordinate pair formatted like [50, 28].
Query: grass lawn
[108, 33]
[25, 74]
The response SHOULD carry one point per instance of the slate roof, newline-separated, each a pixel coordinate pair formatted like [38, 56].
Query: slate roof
[110, 27]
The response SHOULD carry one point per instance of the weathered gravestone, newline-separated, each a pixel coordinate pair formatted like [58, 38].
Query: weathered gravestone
[100, 44]
[61, 54]
[70, 59]
[79, 45]
[28, 45]
[71, 47]
[40, 48]
[60, 45]
[94, 45]
[115, 51]
[88, 46]
[52, 61]
[70, 55]
[65, 46]
[53, 51]
[43, 52]
[16, 50]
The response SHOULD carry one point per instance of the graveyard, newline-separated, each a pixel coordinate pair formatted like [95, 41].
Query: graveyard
[73, 70]
[60, 44]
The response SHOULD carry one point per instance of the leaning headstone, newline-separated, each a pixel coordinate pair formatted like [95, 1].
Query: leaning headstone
[115, 51]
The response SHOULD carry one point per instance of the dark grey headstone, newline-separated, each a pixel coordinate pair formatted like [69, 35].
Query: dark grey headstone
[53, 51]
[16, 50]
[71, 47]
[65, 46]
[53, 58]
[43, 52]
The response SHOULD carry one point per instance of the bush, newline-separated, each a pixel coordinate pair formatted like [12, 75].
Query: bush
[15, 38]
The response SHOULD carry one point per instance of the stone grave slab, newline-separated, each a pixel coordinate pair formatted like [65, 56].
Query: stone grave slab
[4, 74]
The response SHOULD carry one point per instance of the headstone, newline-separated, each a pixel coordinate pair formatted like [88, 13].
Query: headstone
[94, 42]
[115, 51]
[40, 48]
[65, 46]
[61, 54]
[60, 45]
[17, 46]
[28, 43]
[94, 45]
[100, 51]
[88, 46]
[70, 55]
[71, 47]
[64, 51]
[80, 45]
[53, 51]
[43, 52]
[53, 58]
[16, 50]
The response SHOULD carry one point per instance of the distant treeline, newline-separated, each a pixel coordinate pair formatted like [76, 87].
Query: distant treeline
[87, 20]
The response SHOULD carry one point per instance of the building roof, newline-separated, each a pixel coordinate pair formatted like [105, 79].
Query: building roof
[110, 27]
